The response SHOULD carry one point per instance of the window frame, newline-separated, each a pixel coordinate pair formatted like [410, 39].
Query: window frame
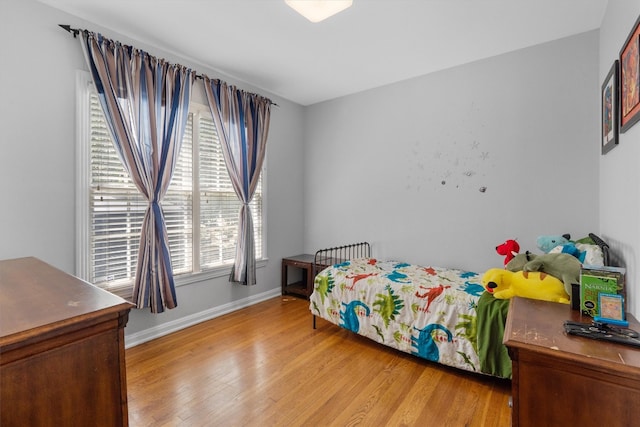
[84, 87]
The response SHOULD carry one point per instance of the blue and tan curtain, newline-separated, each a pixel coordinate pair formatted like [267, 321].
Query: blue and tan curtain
[146, 106]
[242, 120]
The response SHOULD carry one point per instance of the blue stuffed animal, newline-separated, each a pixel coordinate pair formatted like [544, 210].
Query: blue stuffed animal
[571, 249]
[546, 243]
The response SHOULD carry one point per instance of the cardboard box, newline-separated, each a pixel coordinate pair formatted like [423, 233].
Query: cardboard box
[596, 280]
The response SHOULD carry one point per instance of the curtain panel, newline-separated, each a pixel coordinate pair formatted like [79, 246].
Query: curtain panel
[242, 120]
[146, 106]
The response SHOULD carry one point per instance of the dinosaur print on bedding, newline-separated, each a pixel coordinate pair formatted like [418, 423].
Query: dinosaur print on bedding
[426, 311]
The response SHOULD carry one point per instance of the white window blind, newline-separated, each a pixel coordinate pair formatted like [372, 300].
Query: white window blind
[200, 189]
[219, 205]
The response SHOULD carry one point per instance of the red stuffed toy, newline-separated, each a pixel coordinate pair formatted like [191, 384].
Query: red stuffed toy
[509, 249]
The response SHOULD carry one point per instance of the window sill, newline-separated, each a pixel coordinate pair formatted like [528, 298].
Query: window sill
[187, 279]
[214, 273]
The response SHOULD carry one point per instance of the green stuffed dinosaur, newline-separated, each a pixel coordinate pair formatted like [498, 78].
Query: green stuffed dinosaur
[562, 266]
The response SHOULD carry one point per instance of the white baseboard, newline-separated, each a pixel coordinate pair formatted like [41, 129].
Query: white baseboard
[193, 319]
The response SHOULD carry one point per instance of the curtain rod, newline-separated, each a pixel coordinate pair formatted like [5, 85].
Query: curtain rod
[76, 31]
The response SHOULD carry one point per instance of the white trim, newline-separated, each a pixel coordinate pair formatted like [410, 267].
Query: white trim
[83, 82]
[265, 208]
[213, 273]
[152, 333]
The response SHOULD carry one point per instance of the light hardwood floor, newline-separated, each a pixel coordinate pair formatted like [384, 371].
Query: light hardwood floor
[266, 366]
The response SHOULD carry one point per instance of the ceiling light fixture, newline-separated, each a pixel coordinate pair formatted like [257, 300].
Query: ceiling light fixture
[318, 10]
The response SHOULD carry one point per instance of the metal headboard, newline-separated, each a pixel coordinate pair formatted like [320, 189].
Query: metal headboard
[330, 256]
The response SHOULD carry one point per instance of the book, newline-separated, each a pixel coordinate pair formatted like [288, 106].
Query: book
[597, 280]
[611, 310]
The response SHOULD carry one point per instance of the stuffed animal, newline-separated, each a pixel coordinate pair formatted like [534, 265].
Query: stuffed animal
[509, 249]
[571, 249]
[505, 284]
[562, 244]
[546, 243]
[562, 266]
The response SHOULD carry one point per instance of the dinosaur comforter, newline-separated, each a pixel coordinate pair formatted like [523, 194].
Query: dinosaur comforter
[430, 312]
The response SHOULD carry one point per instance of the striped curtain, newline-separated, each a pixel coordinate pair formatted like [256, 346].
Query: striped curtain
[146, 106]
[242, 121]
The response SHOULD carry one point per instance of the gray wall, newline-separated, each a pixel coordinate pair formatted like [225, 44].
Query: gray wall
[403, 166]
[37, 163]
[619, 169]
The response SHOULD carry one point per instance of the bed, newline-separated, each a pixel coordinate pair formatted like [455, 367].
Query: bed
[439, 314]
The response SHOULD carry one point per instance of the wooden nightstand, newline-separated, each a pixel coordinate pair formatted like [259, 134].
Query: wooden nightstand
[303, 287]
[564, 380]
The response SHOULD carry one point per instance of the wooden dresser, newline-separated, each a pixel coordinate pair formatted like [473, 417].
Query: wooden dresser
[61, 349]
[565, 380]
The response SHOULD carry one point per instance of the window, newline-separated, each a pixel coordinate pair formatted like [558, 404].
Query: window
[201, 208]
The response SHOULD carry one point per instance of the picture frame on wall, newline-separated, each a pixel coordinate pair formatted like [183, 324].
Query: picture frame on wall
[609, 100]
[630, 79]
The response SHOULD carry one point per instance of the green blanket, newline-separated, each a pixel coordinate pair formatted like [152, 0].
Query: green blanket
[492, 315]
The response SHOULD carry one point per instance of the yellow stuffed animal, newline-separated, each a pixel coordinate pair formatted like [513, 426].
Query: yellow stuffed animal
[504, 284]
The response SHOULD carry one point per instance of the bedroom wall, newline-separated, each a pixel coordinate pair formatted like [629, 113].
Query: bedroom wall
[619, 169]
[441, 168]
[37, 178]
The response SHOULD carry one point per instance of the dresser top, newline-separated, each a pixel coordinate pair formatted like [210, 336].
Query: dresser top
[538, 326]
[35, 295]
